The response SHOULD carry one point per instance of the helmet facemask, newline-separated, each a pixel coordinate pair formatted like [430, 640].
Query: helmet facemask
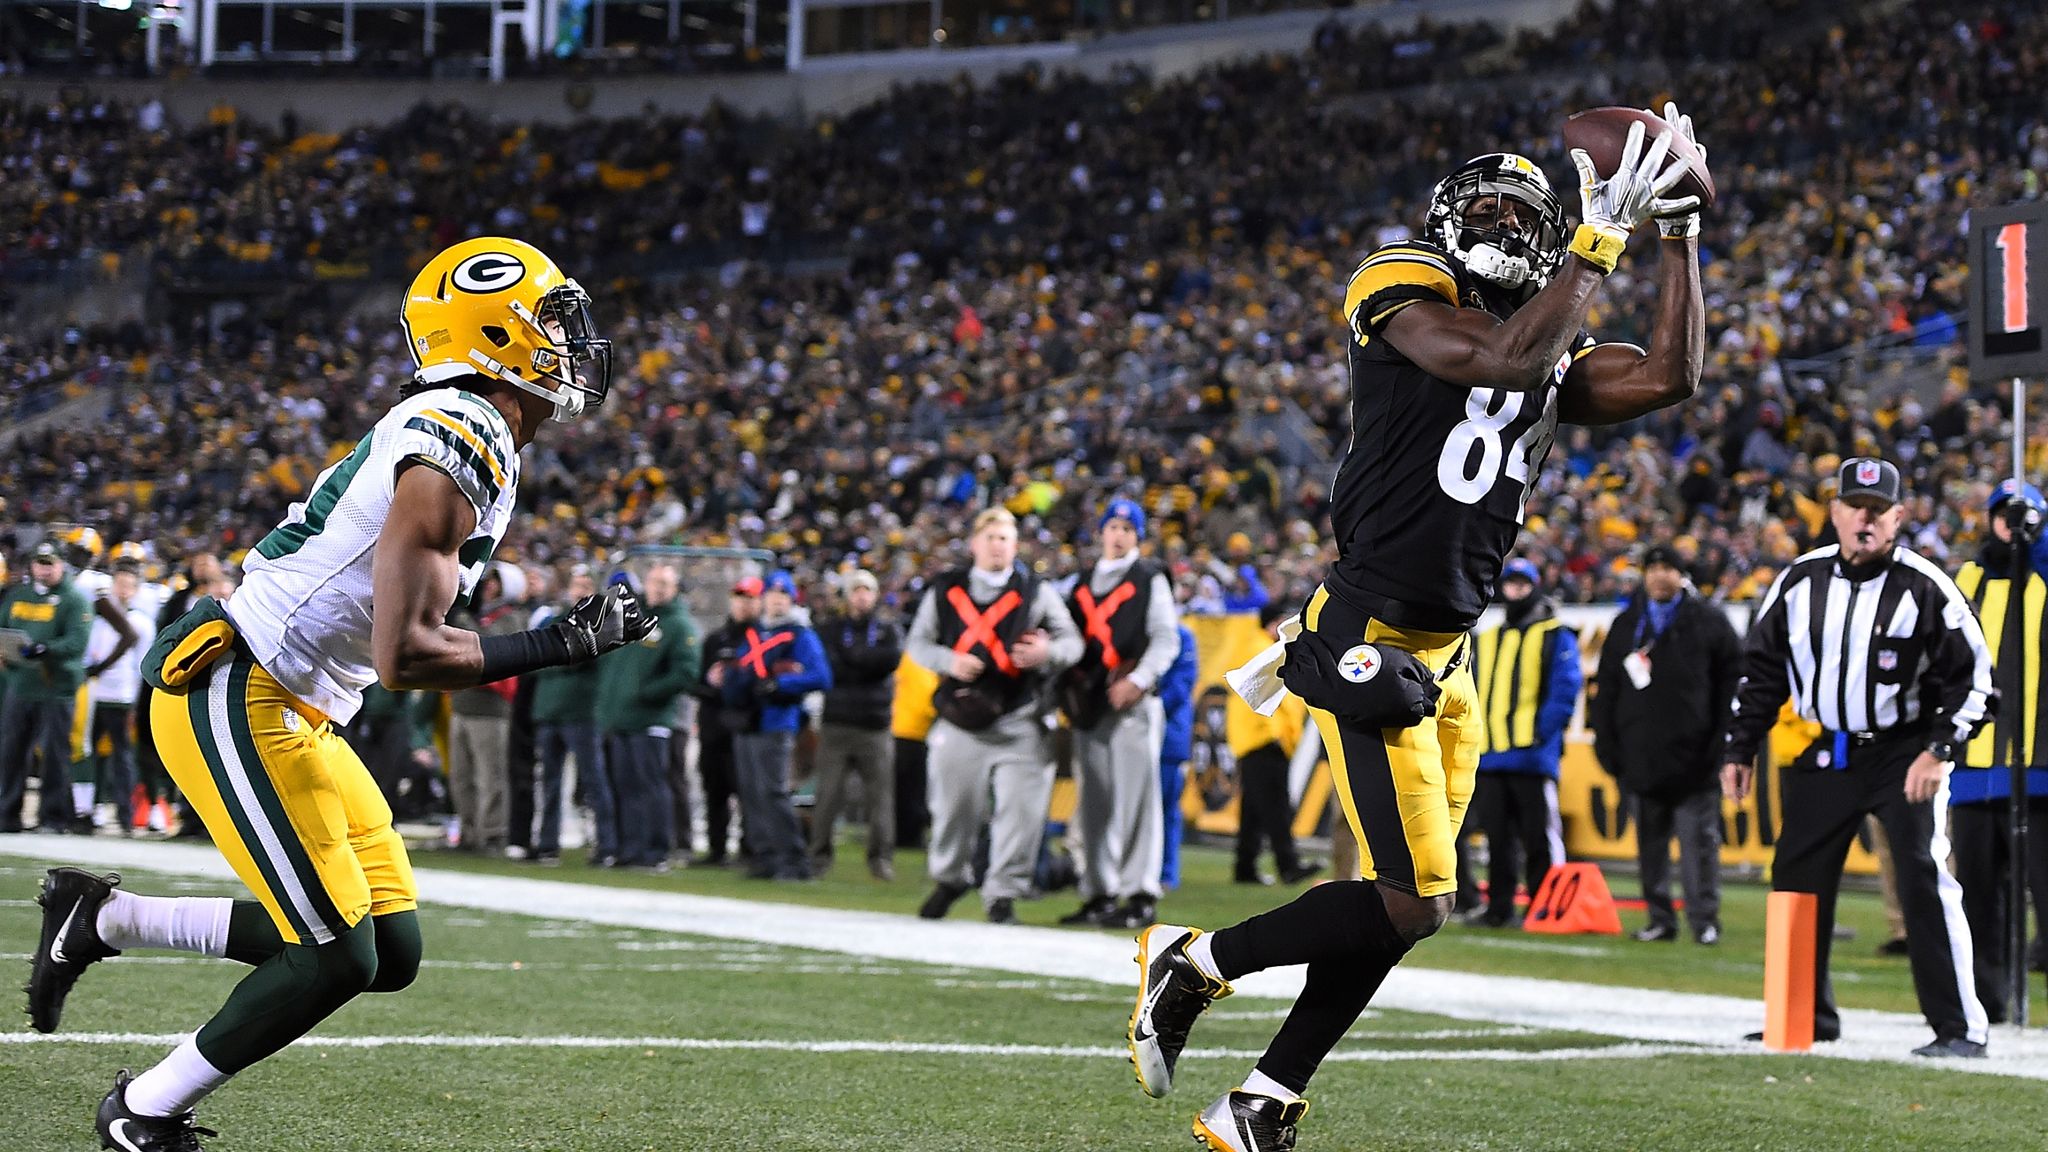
[567, 350]
[1468, 216]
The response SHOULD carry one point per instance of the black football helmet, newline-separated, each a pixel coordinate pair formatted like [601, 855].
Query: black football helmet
[1520, 258]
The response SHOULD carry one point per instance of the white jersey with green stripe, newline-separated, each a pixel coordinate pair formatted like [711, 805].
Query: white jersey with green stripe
[304, 604]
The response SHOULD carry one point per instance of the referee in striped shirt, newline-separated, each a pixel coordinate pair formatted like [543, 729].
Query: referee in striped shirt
[1874, 643]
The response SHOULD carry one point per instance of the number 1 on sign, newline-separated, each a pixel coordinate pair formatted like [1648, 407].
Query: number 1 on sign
[2012, 249]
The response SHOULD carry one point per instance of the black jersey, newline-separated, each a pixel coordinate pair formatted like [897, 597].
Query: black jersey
[1433, 485]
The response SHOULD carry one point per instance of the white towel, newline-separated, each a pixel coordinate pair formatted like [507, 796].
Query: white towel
[1258, 681]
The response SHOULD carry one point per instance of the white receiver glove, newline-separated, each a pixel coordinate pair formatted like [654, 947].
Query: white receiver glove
[1610, 209]
[1679, 218]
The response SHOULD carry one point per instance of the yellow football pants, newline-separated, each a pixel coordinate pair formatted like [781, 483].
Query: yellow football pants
[1404, 790]
[286, 800]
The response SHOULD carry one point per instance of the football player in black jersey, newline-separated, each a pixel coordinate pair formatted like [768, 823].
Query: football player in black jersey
[1467, 349]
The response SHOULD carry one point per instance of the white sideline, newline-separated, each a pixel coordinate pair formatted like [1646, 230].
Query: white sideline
[886, 1047]
[1640, 1014]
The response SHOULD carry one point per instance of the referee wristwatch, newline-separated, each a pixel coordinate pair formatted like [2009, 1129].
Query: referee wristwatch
[1942, 749]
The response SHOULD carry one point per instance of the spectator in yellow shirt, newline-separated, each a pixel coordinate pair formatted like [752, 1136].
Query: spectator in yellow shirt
[1263, 747]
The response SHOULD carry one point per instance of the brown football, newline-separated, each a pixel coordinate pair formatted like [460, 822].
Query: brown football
[1602, 132]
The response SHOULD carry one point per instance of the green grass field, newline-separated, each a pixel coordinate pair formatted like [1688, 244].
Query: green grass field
[560, 1035]
[1208, 899]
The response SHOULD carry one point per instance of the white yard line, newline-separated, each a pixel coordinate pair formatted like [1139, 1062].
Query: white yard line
[1649, 1015]
[886, 1047]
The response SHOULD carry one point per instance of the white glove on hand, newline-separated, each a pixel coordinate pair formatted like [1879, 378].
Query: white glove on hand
[1679, 219]
[1610, 209]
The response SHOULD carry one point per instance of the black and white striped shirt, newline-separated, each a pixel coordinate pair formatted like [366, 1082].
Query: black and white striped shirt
[1889, 644]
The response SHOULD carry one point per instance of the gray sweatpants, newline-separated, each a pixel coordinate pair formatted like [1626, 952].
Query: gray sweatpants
[843, 750]
[479, 753]
[1117, 815]
[1001, 777]
[1696, 821]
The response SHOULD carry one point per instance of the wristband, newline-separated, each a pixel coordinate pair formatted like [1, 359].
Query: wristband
[1679, 227]
[1599, 247]
[1942, 749]
[522, 652]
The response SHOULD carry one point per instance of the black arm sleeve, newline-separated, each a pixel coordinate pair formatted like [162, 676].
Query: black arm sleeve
[518, 653]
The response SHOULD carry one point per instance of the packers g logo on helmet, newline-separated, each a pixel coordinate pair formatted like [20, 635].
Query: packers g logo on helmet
[488, 272]
[498, 307]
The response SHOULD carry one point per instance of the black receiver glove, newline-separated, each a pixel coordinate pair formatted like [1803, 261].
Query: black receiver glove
[598, 624]
[1366, 685]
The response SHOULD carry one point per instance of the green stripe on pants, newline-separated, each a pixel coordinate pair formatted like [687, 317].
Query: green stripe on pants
[197, 702]
[293, 854]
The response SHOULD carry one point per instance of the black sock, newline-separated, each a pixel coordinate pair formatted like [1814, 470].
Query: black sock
[1344, 920]
[1330, 1003]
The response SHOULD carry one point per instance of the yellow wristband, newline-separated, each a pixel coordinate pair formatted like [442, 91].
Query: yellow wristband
[1598, 246]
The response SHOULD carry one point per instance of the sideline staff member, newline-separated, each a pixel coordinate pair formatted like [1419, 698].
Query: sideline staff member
[1981, 787]
[1875, 644]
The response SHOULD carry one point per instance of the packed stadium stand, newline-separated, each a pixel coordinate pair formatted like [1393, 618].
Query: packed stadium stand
[844, 332]
[884, 281]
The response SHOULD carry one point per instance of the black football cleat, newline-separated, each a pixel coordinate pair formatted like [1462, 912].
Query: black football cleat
[70, 943]
[1241, 1121]
[125, 1131]
[1171, 993]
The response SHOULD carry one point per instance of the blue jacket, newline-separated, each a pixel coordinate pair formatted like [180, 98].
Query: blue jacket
[1177, 694]
[1552, 716]
[780, 695]
[1253, 597]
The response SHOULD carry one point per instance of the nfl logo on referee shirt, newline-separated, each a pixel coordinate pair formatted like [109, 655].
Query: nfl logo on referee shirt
[1887, 660]
[1867, 472]
[1359, 664]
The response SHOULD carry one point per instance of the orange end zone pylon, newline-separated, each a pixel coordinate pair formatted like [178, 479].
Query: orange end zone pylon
[1789, 923]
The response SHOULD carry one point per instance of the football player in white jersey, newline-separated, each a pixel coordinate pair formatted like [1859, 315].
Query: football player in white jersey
[353, 586]
[83, 551]
[114, 677]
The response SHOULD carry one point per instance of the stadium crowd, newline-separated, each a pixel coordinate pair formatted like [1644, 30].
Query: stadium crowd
[1072, 306]
[1075, 317]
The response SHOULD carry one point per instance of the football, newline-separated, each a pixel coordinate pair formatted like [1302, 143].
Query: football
[1602, 132]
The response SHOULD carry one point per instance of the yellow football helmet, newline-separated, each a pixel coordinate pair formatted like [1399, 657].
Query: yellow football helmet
[82, 546]
[129, 552]
[498, 307]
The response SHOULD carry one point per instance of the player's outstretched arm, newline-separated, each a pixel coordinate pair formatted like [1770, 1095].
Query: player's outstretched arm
[416, 575]
[1616, 382]
[1469, 348]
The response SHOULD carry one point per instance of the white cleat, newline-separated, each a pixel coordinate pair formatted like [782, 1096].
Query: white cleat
[1171, 993]
[1241, 1121]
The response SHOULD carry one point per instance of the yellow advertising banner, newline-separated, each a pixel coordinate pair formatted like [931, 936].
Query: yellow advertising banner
[1599, 821]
